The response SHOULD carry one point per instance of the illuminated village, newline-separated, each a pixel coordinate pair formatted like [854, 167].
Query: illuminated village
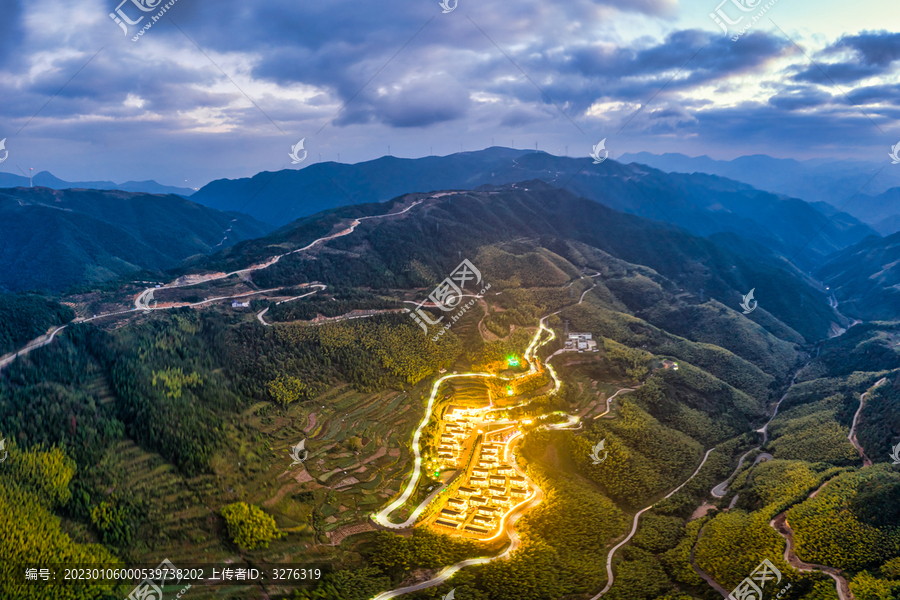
[490, 486]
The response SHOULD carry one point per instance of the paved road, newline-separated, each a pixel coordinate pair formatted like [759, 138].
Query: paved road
[507, 528]
[721, 489]
[141, 301]
[867, 462]
[320, 286]
[706, 576]
[383, 517]
[634, 526]
[610, 399]
[780, 524]
[580, 300]
[34, 344]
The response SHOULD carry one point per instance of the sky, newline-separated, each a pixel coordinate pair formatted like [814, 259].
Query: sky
[225, 89]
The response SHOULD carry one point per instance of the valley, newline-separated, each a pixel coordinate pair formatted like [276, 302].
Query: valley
[419, 481]
[449, 300]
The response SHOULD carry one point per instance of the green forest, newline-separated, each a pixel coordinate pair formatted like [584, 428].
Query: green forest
[174, 431]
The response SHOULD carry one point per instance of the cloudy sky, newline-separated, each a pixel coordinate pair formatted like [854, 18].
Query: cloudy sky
[225, 88]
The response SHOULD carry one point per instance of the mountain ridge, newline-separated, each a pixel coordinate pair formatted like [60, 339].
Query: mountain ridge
[54, 239]
[48, 180]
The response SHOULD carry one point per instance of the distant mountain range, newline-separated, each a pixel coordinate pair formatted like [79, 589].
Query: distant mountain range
[47, 179]
[395, 253]
[51, 240]
[701, 204]
[863, 187]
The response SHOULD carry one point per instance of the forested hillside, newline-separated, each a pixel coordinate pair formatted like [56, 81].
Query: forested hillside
[55, 239]
[417, 249]
[24, 317]
[178, 430]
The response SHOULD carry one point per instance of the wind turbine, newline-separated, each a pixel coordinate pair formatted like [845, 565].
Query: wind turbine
[30, 180]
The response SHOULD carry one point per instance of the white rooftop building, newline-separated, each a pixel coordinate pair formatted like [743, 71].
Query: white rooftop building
[581, 342]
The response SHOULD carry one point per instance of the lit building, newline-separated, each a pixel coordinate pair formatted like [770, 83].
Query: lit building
[467, 491]
[489, 511]
[496, 490]
[444, 523]
[458, 503]
[478, 481]
[449, 513]
[498, 480]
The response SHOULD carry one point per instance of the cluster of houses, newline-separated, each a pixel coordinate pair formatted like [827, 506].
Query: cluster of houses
[581, 342]
[492, 489]
[458, 424]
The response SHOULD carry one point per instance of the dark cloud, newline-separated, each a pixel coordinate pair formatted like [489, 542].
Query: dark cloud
[799, 98]
[878, 48]
[11, 31]
[403, 68]
[871, 55]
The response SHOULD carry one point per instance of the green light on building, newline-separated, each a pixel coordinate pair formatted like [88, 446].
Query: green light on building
[509, 391]
[512, 361]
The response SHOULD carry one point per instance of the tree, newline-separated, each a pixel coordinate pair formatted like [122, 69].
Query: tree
[250, 527]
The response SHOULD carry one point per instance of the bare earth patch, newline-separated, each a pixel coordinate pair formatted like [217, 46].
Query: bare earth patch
[303, 476]
[312, 423]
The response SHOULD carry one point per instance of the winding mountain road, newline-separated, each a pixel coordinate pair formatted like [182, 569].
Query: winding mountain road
[867, 462]
[634, 527]
[141, 302]
[780, 524]
[610, 399]
[383, 517]
[34, 344]
[721, 489]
